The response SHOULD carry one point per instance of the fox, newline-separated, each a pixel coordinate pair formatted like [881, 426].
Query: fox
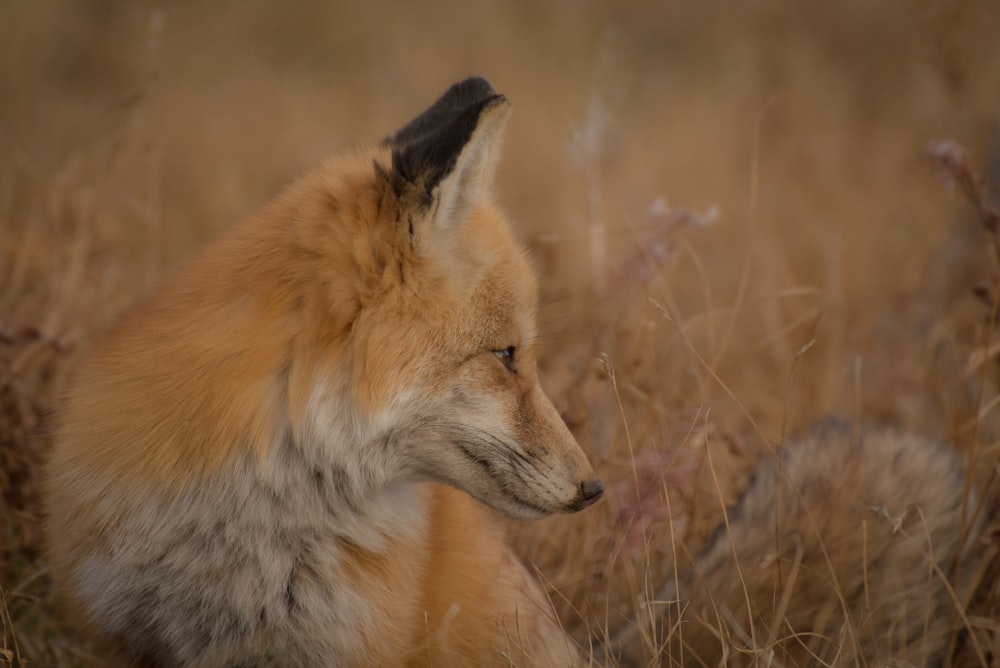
[303, 446]
[853, 546]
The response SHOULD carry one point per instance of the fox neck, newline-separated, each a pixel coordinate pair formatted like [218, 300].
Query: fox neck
[344, 476]
[344, 498]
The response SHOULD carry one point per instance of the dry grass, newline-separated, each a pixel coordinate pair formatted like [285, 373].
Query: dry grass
[738, 228]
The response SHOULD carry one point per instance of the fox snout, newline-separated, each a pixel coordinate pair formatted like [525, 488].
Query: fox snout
[564, 473]
[584, 494]
[590, 492]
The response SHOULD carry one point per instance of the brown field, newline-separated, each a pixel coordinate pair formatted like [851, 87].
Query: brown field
[731, 206]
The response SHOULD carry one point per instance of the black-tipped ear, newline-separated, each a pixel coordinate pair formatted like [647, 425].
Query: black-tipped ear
[425, 162]
[456, 99]
[440, 176]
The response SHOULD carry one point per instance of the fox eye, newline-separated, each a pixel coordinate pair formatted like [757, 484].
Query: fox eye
[506, 357]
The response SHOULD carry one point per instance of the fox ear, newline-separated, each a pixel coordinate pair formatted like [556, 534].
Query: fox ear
[444, 161]
[456, 99]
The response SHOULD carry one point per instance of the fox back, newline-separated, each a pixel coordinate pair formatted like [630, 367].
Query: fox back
[250, 464]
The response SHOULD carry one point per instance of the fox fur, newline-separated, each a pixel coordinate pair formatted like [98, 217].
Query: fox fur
[854, 547]
[295, 450]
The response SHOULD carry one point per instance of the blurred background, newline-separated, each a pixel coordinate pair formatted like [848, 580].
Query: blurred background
[730, 205]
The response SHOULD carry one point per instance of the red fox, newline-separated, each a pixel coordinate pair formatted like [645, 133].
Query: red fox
[293, 451]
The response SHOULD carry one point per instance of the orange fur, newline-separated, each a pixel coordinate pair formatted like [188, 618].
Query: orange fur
[251, 462]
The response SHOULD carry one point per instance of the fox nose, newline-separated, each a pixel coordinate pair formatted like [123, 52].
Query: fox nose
[590, 492]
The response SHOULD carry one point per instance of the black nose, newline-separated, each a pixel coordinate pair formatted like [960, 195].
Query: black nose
[590, 492]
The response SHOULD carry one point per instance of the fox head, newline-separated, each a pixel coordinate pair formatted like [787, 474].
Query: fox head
[373, 324]
[438, 355]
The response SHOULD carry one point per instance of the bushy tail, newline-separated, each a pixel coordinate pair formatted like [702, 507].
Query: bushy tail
[851, 548]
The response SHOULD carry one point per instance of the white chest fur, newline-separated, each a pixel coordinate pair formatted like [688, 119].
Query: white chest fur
[243, 566]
